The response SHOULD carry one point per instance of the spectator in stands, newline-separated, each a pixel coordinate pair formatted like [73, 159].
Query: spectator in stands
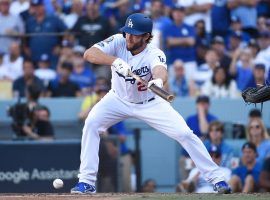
[62, 86]
[14, 61]
[219, 46]
[10, 26]
[241, 68]
[149, 186]
[25, 15]
[40, 127]
[258, 135]
[198, 10]
[264, 54]
[121, 132]
[178, 83]
[41, 24]
[263, 8]
[215, 137]
[259, 75]
[118, 13]
[202, 37]
[92, 28]
[204, 72]
[82, 75]
[28, 78]
[262, 24]
[220, 12]
[220, 86]
[196, 181]
[254, 47]
[44, 72]
[18, 6]
[91, 100]
[236, 27]
[247, 13]
[159, 22]
[72, 17]
[199, 122]
[108, 167]
[245, 177]
[180, 41]
[66, 53]
[235, 42]
[23, 113]
[265, 176]
[254, 113]
[4, 75]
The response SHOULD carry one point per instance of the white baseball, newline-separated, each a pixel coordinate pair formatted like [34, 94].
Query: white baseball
[58, 183]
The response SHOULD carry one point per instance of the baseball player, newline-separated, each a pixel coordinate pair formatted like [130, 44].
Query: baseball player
[132, 50]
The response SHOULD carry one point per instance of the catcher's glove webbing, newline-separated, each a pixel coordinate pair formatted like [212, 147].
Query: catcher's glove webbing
[256, 95]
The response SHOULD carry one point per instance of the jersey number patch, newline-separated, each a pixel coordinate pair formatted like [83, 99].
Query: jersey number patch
[141, 87]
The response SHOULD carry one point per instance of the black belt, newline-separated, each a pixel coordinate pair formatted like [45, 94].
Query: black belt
[153, 98]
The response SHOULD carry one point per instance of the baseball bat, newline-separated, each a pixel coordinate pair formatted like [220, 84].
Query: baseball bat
[157, 90]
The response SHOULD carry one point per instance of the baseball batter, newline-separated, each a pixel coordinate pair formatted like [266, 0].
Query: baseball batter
[128, 98]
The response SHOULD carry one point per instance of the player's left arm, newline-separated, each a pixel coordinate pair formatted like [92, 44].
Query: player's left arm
[160, 73]
[158, 69]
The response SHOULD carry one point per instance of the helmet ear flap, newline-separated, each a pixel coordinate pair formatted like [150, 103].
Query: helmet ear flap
[124, 34]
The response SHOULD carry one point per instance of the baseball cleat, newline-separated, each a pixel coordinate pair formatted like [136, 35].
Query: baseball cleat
[83, 188]
[222, 188]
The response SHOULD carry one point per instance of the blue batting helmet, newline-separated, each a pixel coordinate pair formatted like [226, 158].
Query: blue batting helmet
[137, 24]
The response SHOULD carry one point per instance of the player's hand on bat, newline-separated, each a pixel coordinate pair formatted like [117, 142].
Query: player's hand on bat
[158, 82]
[121, 66]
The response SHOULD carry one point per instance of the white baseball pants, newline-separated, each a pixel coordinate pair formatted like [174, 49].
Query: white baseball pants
[159, 114]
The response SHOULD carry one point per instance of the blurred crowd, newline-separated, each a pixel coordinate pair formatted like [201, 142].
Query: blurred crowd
[217, 48]
[214, 48]
[247, 170]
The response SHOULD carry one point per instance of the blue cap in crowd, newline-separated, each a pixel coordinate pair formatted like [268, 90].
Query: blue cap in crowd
[178, 7]
[237, 34]
[36, 2]
[249, 145]
[235, 19]
[66, 43]
[218, 39]
[215, 150]
[260, 66]
[44, 58]
[203, 98]
[253, 43]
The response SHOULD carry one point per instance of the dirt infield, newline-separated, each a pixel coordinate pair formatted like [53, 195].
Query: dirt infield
[136, 196]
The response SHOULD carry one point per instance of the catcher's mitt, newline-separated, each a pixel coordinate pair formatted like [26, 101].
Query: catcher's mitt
[256, 95]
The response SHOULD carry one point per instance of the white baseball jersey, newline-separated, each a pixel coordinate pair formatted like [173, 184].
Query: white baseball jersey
[127, 88]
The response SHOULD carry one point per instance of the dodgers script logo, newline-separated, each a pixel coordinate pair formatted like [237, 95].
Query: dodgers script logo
[130, 24]
[142, 72]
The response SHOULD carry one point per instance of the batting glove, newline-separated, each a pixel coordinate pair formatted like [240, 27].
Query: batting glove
[121, 66]
[158, 82]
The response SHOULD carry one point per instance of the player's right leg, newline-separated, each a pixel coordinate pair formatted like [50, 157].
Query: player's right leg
[104, 114]
[161, 116]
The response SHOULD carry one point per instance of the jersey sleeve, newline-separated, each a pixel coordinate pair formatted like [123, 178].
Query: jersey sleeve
[157, 58]
[110, 45]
